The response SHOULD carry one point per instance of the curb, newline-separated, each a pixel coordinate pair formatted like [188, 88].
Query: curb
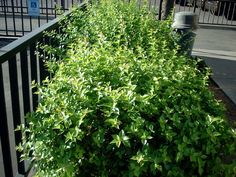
[219, 27]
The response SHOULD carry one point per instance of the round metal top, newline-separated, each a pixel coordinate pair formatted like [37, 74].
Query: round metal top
[185, 20]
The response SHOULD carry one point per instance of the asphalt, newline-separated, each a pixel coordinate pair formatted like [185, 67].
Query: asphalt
[6, 41]
[217, 47]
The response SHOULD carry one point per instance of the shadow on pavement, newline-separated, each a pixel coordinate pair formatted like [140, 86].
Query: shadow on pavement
[5, 41]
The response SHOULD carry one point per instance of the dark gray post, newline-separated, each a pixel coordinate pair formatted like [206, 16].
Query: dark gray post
[63, 5]
[167, 6]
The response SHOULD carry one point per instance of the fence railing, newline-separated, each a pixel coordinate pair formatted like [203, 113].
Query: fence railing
[15, 19]
[19, 66]
[217, 12]
[46, 6]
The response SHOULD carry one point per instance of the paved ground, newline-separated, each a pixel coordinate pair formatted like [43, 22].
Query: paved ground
[5, 41]
[218, 48]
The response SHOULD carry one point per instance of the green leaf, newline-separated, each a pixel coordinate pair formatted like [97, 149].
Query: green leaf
[116, 140]
[139, 157]
[113, 122]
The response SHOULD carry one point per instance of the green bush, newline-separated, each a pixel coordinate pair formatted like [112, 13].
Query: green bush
[124, 102]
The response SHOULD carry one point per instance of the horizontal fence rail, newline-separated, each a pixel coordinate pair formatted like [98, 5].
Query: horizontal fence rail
[16, 20]
[216, 12]
[20, 64]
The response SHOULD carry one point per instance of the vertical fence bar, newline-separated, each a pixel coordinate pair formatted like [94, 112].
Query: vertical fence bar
[204, 10]
[6, 149]
[224, 12]
[228, 10]
[25, 80]
[55, 8]
[2, 170]
[218, 12]
[214, 14]
[42, 9]
[6, 4]
[228, 14]
[5, 16]
[194, 6]
[63, 5]
[31, 25]
[233, 14]
[47, 10]
[220, 4]
[17, 6]
[52, 5]
[160, 10]
[24, 68]
[1, 5]
[43, 69]
[189, 6]
[3, 133]
[22, 18]
[14, 19]
[33, 65]
[27, 7]
[16, 107]
[209, 14]
[14, 89]
[39, 21]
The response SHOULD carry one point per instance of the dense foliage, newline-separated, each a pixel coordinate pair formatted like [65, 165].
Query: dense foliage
[124, 102]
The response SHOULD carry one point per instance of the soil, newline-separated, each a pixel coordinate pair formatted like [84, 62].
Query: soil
[229, 105]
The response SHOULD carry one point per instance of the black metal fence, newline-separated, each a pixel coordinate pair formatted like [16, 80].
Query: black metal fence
[16, 20]
[19, 66]
[217, 12]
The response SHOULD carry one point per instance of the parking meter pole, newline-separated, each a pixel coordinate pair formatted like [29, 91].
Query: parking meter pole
[186, 41]
[185, 23]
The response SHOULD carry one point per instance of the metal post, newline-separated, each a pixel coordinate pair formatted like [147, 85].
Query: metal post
[63, 5]
[13, 13]
[160, 9]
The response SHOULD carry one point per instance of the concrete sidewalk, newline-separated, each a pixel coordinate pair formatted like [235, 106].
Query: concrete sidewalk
[218, 48]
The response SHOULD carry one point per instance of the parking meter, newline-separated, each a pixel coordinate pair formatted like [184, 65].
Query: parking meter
[185, 23]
